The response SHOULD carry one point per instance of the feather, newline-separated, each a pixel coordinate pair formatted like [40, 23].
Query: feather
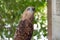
[24, 30]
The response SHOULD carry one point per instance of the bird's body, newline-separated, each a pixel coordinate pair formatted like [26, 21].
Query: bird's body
[25, 28]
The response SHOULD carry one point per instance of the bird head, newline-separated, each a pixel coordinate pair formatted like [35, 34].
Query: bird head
[30, 9]
[28, 13]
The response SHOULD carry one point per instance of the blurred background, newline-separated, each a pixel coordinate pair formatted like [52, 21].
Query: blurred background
[10, 14]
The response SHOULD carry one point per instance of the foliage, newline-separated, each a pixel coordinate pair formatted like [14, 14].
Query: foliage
[10, 14]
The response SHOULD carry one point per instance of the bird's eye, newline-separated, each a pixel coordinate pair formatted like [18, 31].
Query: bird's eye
[28, 9]
[33, 9]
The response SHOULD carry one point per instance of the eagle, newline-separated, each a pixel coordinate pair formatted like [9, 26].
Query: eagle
[24, 30]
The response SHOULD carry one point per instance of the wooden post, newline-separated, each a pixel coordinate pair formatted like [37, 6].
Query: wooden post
[53, 19]
[49, 16]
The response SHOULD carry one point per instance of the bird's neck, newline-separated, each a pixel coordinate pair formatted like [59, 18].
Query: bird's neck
[28, 16]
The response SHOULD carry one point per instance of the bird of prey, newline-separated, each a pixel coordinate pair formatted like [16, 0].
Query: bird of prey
[24, 30]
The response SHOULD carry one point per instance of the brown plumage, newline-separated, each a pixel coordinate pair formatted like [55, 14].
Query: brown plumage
[25, 28]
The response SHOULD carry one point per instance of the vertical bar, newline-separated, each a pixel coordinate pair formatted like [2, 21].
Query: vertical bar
[49, 16]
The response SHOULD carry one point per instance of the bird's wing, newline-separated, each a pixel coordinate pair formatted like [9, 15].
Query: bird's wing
[24, 30]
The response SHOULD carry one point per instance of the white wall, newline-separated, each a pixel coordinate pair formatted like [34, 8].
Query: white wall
[55, 19]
